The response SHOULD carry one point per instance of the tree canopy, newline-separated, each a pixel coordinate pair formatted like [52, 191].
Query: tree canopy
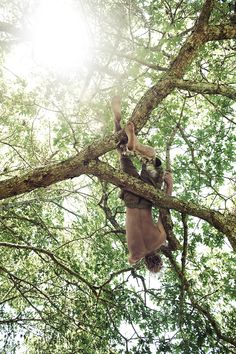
[66, 284]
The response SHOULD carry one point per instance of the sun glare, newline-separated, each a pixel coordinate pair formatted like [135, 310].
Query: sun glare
[60, 35]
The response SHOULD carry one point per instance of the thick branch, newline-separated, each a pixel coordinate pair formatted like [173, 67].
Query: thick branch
[205, 87]
[50, 174]
[205, 13]
[165, 86]
[223, 31]
[105, 172]
[74, 167]
[51, 255]
[40, 177]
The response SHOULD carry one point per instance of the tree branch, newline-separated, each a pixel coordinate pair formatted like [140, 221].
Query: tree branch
[51, 255]
[165, 85]
[205, 14]
[183, 263]
[203, 310]
[205, 87]
[74, 167]
[107, 173]
[222, 31]
[15, 320]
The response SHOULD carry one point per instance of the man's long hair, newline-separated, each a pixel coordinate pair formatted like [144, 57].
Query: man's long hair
[153, 262]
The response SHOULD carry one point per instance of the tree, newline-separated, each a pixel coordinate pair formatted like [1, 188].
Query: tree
[66, 285]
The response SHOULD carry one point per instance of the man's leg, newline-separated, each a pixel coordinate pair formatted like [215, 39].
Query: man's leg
[135, 145]
[153, 173]
[126, 164]
[165, 217]
[116, 109]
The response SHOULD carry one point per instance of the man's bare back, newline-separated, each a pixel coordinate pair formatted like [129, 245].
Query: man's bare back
[143, 235]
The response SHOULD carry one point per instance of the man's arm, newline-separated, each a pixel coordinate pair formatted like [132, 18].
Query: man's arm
[173, 243]
[125, 163]
[134, 145]
[168, 179]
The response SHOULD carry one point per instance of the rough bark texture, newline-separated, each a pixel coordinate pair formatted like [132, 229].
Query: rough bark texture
[105, 172]
[206, 87]
[74, 167]
[220, 32]
[86, 161]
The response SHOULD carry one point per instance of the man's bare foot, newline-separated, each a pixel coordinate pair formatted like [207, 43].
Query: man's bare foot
[145, 150]
[132, 139]
[116, 107]
[134, 145]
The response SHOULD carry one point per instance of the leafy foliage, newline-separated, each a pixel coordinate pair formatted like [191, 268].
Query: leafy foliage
[66, 285]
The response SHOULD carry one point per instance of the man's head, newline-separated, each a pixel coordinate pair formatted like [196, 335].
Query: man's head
[153, 262]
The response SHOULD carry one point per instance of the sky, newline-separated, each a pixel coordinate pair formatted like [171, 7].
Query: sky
[60, 40]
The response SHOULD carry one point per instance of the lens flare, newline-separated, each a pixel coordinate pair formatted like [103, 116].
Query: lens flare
[60, 35]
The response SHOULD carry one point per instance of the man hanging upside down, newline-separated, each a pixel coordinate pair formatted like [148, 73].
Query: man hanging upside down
[144, 237]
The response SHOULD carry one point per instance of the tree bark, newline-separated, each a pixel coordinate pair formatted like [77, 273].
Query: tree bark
[220, 32]
[83, 162]
[206, 87]
[224, 224]
[74, 167]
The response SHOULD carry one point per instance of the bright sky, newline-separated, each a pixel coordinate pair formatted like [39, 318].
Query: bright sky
[60, 35]
[59, 39]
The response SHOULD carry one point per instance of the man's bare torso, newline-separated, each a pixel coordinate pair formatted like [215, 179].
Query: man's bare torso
[143, 235]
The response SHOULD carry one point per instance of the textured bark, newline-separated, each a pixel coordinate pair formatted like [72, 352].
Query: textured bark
[187, 53]
[205, 87]
[74, 167]
[220, 32]
[105, 172]
[82, 164]
[42, 177]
